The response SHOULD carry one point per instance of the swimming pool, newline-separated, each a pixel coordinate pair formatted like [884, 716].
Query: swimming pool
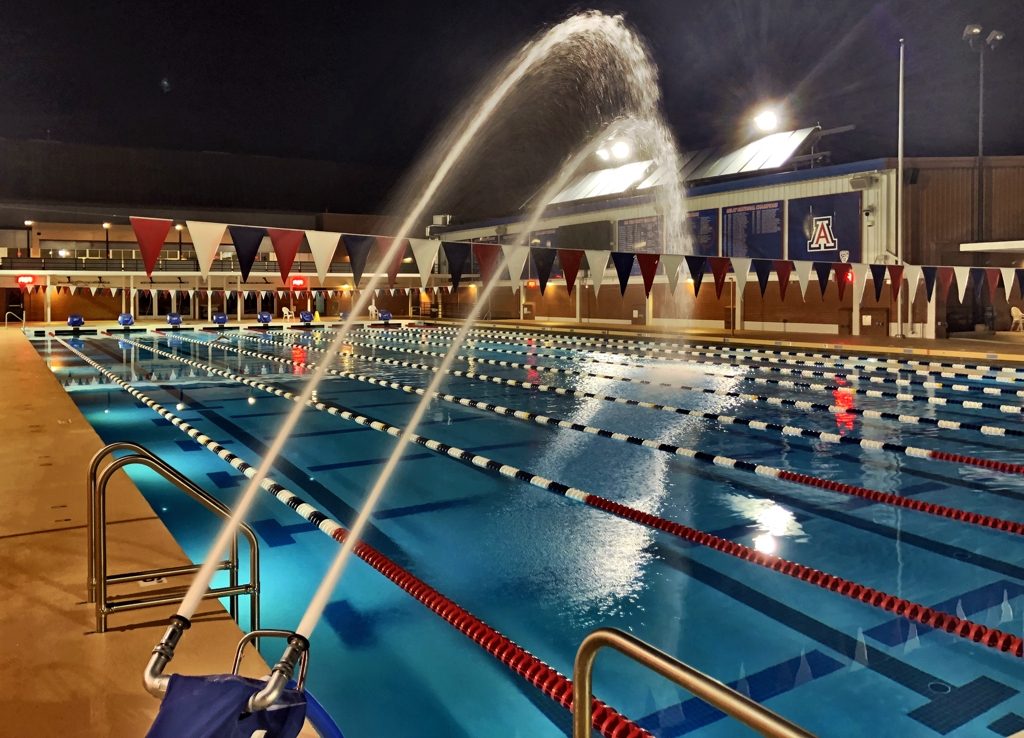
[545, 570]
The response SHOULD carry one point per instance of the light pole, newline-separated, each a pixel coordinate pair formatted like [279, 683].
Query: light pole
[106, 236]
[973, 36]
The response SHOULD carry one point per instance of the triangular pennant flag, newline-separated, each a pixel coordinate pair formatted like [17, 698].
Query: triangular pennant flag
[671, 263]
[280, 294]
[978, 280]
[247, 240]
[206, 238]
[515, 258]
[822, 269]
[803, 275]
[286, 244]
[73, 288]
[929, 273]
[151, 234]
[696, 266]
[783, 268]
[895, 280]
[487, 258]
[763, 270]
[623, 267]
[424, 251]
[457, 254]
[719, 268]
[322, 244]
[133, 293]
[394, 264]
[570, 260]
[963, 277]
[946, 275]
[843, 273]
[992, 276]
[878, 279]
[860, 281]
[543, 260]
[597, 263]
[358, 248]
[741, 268]
[1020, 280]
[913, 275]
[1008, 275]
[113, 291]
[94, 290]
[648, 268]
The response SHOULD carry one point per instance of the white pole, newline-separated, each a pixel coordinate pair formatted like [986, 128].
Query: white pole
[899, 204]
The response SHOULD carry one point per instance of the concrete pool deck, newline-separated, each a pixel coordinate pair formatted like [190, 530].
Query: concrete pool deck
[60, 676]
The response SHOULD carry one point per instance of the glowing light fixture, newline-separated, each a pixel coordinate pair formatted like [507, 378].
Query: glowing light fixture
[767, 120]
[179, 227]
[603, 154]
[106, 226]
[29, 223]
[621, 149]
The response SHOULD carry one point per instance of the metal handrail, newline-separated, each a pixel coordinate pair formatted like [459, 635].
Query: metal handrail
[99, 579]
[712, 691]
[16, 317]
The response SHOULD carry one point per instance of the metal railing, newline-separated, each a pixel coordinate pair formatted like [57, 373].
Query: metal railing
[15, 316]
[99, 579]
[728, 700]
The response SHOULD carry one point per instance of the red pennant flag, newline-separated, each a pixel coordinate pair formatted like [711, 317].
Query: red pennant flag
[487, 256]
[395, 263]
[151, 234]
[286, 245]
[719, 267]
[992, 277]
[570, 260]
[844, 275]
[895, 279]
[648, 268]
[783, 269]
[945, 275]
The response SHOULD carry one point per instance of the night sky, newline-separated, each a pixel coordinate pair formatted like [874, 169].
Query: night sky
[369, 82]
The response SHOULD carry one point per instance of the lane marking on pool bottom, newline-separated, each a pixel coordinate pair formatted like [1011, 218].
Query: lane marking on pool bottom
[803, 405]
[960, 627]
[721, 418]
[548, 680]
[901, 396]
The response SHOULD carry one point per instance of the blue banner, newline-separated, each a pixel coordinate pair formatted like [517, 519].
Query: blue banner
[753, 230]
[826, 228]
[641, 234]
[702, 225]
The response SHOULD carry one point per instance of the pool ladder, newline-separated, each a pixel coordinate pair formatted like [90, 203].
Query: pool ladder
[734, 704]
[99, 579]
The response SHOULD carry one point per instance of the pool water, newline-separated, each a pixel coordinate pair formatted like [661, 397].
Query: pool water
[545, 570]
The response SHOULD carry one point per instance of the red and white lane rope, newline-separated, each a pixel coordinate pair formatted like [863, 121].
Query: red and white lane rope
[961, 627]
[803, 405]
[721, 418]
[549, 681]
[761, 470]
[769, 365]
[887, 364]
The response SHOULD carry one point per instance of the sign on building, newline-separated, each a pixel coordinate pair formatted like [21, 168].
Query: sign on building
[753, 230]
[826, 228]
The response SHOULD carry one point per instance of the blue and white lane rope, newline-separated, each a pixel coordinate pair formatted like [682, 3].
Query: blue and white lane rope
[721, 418]
[804, 405]
[939, 367]
[761, 470]
[769, 367]
[961, 627]
[610, 723]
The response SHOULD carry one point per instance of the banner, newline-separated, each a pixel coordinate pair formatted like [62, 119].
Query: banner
[826, 228]
[753, 230]
[640, 234]
[702, 227]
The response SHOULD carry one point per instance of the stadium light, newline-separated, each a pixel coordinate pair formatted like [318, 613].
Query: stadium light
[767, 120]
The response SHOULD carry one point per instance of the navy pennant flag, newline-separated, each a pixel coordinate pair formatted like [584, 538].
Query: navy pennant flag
[456, 253]
[763, 270]
[543, 260]
[929, 273]
[878, 279]
[623, 267]
[358, 248]
[696, 266]
[247, 240]
[823, 269]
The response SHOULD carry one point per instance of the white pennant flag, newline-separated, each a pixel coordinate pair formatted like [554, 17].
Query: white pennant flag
[515, 257]
[209, 294]
[963, 278]
[424, 251]
[1008, 275]
[323, 244]
[860, 281]
[246, 294]
[264, 293]
[913, 275]
[132, 294]
[280, 294]
[803, 275]
[74, 287]
[206, 238]
[741, 266]
[671, 263]
[597, 261]
[94, 290]
[113, 291]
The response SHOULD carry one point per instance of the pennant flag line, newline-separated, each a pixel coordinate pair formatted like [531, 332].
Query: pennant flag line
[515, 259]
[151, 234]
[671, 264]
[456, 254]
[543, 261]
[623, 267]
[648, 268]
[597, 263]
[424, 252]
[286, 243]
[570, 260]
[323, 245]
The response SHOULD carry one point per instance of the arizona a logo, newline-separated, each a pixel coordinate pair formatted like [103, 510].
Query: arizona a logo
[822, 237]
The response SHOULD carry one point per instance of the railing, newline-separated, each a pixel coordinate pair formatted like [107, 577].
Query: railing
[99, 579]
[15, 316]
[712, 691]
[78, 264]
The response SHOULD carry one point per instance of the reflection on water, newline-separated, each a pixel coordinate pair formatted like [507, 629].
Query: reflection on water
[771, 519]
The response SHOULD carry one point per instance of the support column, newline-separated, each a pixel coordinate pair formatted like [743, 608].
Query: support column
[738, 319]
[46, 298]
[238, 300]
[131, 295]
[209, 303]
[855, 315]
[649, 308]
[174, 300]
[155, 294]
[124, 299]
[929, 326]
[576, 293]
[522, 299]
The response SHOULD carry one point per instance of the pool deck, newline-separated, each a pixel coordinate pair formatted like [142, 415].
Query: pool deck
[60, 676]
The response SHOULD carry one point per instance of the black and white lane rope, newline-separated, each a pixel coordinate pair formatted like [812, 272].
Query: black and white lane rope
[803, 405]
[961, 627]
[606, 720]
[720, 418]
[761, 470]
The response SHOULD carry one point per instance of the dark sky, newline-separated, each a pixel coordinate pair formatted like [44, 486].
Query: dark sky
[368, 82]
